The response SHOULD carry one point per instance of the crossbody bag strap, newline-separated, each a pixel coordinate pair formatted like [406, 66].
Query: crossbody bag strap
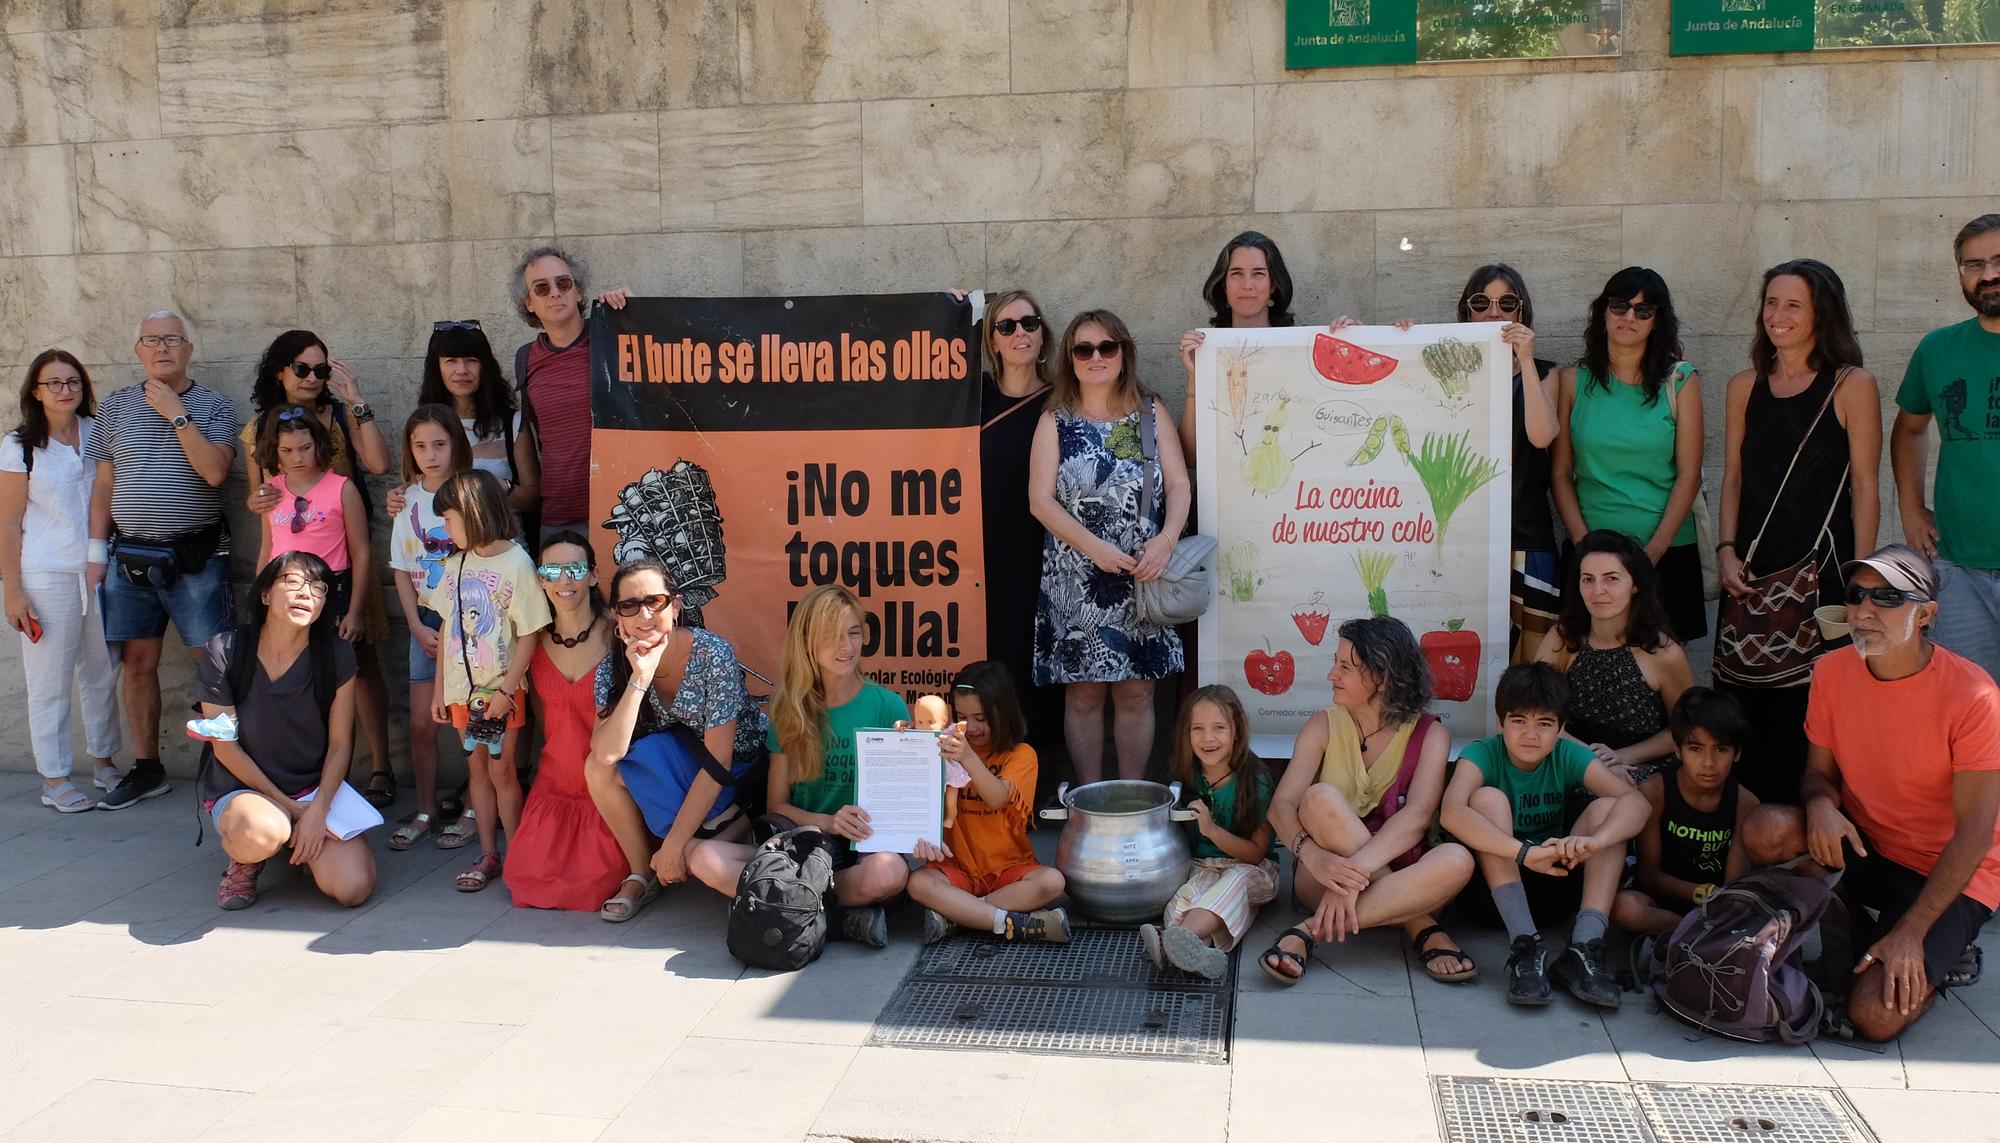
[1149, 449]
[464, 653]
[1009, 411]
[1772, 511]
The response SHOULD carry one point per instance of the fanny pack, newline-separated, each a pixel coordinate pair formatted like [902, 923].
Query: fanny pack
[159, 564]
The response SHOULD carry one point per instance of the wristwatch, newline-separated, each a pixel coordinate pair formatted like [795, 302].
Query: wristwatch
[361, 413]
[182, 422]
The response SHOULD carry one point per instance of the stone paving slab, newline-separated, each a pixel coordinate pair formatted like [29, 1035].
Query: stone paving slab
[131, 1007]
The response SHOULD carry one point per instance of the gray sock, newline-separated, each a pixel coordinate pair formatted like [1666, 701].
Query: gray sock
[1590, 925]
[1512, 902]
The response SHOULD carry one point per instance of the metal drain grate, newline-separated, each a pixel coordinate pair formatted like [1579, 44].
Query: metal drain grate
[1095, 996]
[1710, 1113]
[1499, 1109]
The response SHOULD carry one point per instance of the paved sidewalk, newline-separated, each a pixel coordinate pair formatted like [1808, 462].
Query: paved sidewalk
[132, 1008]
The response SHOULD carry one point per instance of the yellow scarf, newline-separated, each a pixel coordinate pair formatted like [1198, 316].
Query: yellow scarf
[1342, 766]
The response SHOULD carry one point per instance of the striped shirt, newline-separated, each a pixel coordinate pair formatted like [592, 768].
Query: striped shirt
[556, 388]
[155, 493]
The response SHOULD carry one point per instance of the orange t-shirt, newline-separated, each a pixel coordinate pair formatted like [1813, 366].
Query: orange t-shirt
[985, 839]
[1899, 743]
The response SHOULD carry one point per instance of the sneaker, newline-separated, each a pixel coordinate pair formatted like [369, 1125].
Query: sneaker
[215, 728]
[138, 784]
[239, 886]
[1528, 971]
[868, 925]
[1580, 968]
[1050, 925]
[936, 928]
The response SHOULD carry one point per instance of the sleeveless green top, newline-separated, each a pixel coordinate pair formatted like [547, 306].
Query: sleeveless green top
[1624, 455]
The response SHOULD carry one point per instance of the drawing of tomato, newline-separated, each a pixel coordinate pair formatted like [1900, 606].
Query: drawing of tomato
[1346, 363]
[1454, 658]
[1268, 673]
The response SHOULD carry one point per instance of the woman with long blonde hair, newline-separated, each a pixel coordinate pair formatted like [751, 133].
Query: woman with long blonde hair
[822, 699]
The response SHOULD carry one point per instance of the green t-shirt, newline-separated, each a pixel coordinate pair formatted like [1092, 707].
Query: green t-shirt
[1221, 802]
[1955, 376]
[875, 708]
[1540, 797]
[1624, 455]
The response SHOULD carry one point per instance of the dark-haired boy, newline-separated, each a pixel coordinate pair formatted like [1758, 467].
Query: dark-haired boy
[1507, 802]
[1693, 842]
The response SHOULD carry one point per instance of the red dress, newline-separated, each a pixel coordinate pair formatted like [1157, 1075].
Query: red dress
[563, 857]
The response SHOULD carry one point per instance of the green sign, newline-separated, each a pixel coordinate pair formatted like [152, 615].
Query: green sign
[1707, 27]
[1359, 33]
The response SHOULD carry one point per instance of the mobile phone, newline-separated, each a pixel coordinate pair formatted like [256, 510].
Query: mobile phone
[34, 630]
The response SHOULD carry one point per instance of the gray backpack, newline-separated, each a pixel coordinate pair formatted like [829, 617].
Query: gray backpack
[1732, 966]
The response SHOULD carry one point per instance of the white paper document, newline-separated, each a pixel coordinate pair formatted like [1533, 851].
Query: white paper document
[899, 780]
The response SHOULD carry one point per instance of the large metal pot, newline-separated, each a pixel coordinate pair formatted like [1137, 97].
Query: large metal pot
[1121, 852]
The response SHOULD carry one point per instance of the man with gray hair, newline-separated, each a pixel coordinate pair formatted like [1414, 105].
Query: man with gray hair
[553, 373]
[159, 546]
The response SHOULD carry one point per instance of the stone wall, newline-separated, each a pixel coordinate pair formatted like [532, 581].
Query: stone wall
[365, 167]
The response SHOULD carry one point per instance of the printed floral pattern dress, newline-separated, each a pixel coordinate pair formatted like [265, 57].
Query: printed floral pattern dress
[1087, 626]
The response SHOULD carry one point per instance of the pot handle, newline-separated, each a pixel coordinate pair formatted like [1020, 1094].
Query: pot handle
[1058, 813]
[1176, 814]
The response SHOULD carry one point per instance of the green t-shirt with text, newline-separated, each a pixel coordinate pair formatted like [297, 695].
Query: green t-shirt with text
[1954, 376]
[1540, 797]
[875, 708]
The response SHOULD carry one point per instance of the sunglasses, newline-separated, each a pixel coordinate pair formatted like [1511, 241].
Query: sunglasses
[1005, 327]
[650, 604]
[302, 371]
[303, 583]
[562, 285]
[554, 573]
[1084, 350]
[1505, 303]
[448, 326]
[295, 413]
[1886, 598]
[300, 506]
[1644, 311]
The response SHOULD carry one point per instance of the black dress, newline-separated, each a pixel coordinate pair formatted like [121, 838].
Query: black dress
[1774, 760]
[1014, 549]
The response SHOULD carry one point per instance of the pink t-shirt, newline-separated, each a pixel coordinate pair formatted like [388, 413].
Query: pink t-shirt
[324, 532]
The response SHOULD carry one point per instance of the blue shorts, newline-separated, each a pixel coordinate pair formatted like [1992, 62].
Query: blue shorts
[199, 605]
[423, 668]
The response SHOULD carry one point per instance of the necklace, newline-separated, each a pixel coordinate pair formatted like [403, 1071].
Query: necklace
[559, 641]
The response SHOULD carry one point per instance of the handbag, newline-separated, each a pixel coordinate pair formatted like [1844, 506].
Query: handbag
[1704, 520]
[1186, 587]
[1768, 638]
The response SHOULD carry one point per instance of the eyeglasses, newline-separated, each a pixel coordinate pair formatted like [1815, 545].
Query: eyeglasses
[1977, 267]
[1883, 597]
[300, 508]
[1644, 311]
[302, 371]
[167, 340]
[297, 582]
[552, 573]
[650, 604]
[563, 284]
[1506, 303]
[62, 384]
[1005, 327]
[448, 326]
[1084, 350]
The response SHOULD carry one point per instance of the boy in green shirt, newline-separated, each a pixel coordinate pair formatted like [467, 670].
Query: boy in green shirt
[1507, 802]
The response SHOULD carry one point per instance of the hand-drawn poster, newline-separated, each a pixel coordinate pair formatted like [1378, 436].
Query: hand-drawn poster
[1363, 473]
[764, 446]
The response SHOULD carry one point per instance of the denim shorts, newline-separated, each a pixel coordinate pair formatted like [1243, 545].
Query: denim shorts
[423, 668]
[199, 606]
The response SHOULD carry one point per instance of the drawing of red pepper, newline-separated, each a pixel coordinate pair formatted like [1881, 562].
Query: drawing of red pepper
[1454, 658]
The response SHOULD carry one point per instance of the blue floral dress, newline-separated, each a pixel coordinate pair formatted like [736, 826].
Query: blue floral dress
[1087, 626]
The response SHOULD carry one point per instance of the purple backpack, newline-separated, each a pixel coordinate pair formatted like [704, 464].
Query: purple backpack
[1732, 966]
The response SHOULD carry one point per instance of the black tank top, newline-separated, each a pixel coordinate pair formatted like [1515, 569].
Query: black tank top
[1772, 429]
[1694, 846]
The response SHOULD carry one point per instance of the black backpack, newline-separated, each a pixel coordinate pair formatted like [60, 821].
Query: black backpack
[778, 919]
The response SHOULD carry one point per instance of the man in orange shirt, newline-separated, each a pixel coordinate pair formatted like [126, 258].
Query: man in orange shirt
[1902, 790]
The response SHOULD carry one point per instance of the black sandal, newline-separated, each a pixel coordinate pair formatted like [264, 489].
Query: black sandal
[1300, 959]
[378, 797]
[1966, 970]
[1426, 956]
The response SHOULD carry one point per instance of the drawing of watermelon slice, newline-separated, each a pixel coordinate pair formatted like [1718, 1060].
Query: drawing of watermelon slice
[1346, 363]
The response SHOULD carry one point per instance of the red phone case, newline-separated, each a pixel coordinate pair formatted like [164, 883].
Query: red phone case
[34, 630]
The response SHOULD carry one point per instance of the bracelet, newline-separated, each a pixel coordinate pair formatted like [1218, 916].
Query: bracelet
[1299, 841]
[1521, 858]
[636, 685]
[361, 413]
[97, 552]
[1724, 544]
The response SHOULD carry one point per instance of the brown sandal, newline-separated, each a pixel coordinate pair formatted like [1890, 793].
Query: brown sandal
[480, 875]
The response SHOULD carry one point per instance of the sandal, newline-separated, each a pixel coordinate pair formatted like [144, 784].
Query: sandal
[481, 874]
[415, 830]
[1300, 959]
[1430, 956]
[1966, 969]
[619, 909]
[377, 796]
[459, 833]
[67, 799]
